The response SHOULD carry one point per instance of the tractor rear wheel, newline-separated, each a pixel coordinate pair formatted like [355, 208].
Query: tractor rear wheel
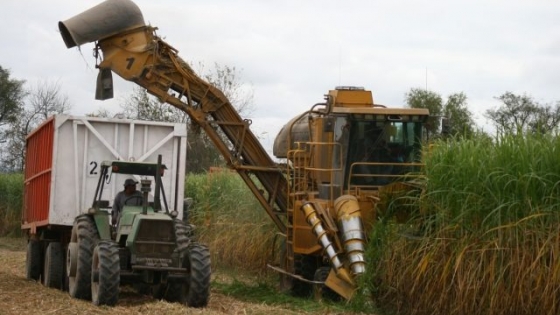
[33, 261]
[105, 274]
[53, 266]
[184, 234]
[78, 260]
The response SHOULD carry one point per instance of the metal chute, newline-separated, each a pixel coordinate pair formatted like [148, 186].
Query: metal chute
[106, 19]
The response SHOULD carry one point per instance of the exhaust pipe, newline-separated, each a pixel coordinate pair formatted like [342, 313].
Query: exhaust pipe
[353, 237]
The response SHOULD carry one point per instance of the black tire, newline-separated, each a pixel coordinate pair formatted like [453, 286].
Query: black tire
[84, 235]
[53, 266]
[184, 234]
[34, 261]
[143, 288]
[321, 291]
[197, 262]
[196, 291]
[105, 274]
[305, 266]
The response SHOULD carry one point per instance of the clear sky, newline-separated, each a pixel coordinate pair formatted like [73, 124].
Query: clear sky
[292, 52]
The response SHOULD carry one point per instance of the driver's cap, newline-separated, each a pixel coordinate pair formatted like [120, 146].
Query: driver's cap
[130, 182]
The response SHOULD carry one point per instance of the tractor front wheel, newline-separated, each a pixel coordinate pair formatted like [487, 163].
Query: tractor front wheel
[105, 274]
[197, 262]
[195, 291]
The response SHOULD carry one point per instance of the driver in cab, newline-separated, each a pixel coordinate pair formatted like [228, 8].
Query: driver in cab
[129, 196]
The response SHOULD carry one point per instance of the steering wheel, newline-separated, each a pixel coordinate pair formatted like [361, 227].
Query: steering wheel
[133, 197]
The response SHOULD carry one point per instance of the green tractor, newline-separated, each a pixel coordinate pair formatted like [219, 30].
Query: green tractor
[149, 248]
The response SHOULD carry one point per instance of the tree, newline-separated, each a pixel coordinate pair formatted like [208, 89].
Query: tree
[11, 98]
[228, 80]
[522, 114]
[459, 117]
[43, 101]
[202, 153]
[420, 98]
[143, 106]
[455, 111]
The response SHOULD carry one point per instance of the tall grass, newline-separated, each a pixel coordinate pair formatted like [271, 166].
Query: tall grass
[490, 242]
[231, 221]
[11, 201]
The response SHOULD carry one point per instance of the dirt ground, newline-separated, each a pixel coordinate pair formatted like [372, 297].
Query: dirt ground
[21, 296]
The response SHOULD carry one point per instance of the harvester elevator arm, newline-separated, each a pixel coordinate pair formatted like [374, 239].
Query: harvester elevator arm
[137, 54]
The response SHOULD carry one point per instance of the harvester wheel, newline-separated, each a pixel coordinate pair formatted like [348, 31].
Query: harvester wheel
[78, 260]
[195, 292]
[305, 266]
[105, 274]
[34, 262]
[53, 266]
[321, 291]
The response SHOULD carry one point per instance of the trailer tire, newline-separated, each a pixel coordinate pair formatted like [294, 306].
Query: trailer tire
[53, 266]
[33, 261]
[78, 262]
[321, 291]
[105, 274]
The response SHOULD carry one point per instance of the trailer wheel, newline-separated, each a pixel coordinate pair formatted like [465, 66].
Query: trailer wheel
[53, 266]
[321, 291]
[78, 262]
[105, 274]
[33, 261]
[195, 292]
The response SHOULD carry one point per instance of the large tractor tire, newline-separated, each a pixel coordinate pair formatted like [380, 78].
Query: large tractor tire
[321, 291]
[53, 266]
[195, 292]
[79, 257]
[105, 274]
[197, 262]
[184, 234]
[34, 260]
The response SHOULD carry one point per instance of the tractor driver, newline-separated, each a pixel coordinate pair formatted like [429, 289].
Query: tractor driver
[129, 196]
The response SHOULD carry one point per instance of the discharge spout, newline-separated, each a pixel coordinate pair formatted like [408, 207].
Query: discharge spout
[352, 233]
[106, 19]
